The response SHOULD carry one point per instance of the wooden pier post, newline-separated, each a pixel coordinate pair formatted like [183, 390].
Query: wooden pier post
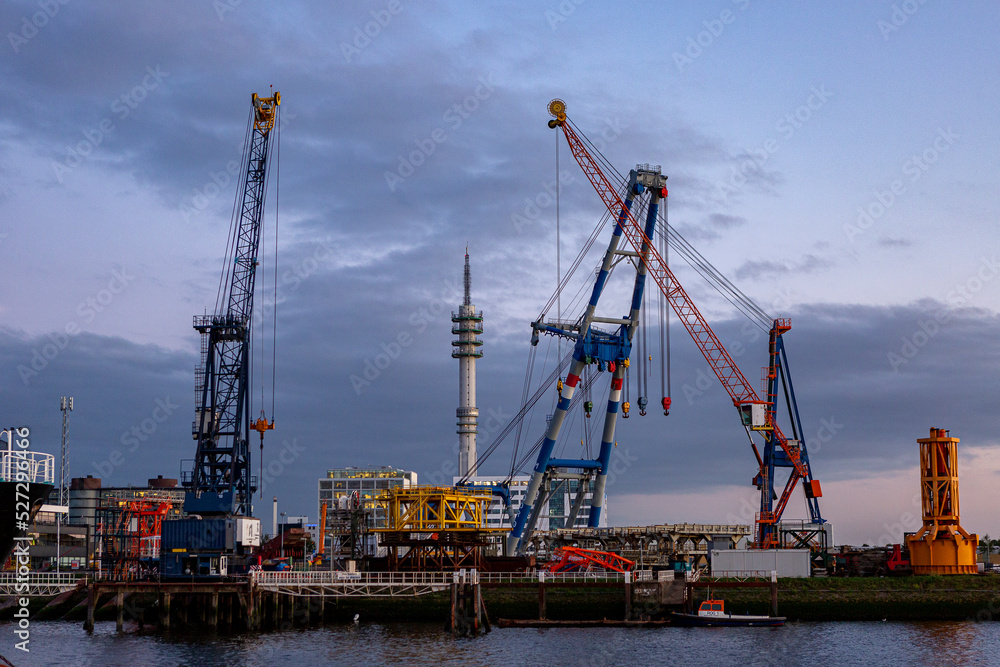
[164, 611]
[541, 601]
[182, 609]
[88, 625]
[244, 615]
[213, 610]
[477, 601]
[628, 599]
[120, 609]
[774, 597]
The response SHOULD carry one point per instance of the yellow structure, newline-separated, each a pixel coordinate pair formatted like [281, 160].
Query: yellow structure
[942, 546]
[435, 528]
[436, 509]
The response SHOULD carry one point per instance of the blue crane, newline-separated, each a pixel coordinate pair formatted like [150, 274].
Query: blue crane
[607, 350]
[220, 481]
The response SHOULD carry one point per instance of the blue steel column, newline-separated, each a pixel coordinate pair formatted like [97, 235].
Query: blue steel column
[572, 379]
[614, 400]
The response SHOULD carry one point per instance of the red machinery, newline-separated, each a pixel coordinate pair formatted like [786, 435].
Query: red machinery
[574, 559]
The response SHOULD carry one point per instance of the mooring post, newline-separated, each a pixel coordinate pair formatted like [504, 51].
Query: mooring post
[213, 609]
[120, 607]
[478, 602]
[88, 625]
[164, 611]
[774, 593]
[628, 595]
[244, 614]
[254, 610]
[453, 617]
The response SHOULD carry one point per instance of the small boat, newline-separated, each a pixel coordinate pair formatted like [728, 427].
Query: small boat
[713, 613]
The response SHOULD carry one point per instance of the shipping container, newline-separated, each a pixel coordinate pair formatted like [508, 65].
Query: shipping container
[749, 562]
[193, 535]
[193, 565]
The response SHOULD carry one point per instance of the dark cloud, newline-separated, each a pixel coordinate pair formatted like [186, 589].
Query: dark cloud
[869, 381]
[396, 150]
[724, 221]
[887, 242]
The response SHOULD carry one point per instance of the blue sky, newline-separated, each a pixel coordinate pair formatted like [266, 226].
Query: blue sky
[837, 161]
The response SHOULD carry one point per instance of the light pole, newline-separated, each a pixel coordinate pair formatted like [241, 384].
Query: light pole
[282, 529]
[66, 406]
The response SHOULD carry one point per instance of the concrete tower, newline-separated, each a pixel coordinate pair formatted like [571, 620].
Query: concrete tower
[467, 324]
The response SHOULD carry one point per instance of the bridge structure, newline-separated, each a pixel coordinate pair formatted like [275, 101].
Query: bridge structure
[658, 545]
[38, 584]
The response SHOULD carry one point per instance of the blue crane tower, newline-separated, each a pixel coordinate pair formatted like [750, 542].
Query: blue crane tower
[607, 350]
[220, 482]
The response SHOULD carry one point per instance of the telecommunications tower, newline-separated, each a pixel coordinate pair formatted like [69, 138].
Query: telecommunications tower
[468, 324]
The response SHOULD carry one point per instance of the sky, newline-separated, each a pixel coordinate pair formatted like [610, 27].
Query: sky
[836, 161]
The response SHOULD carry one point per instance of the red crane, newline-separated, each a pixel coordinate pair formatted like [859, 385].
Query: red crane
[756, 414]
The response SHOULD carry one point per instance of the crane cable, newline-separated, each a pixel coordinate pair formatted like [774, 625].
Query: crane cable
[526, 406]
[714, 277]
[228, 264]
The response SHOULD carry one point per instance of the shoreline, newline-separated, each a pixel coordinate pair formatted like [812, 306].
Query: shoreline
[957, 598]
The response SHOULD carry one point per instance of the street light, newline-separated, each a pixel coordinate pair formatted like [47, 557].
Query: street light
[282, 529]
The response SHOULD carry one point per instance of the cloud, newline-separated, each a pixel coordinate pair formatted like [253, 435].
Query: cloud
[763, 269]
[887, 242]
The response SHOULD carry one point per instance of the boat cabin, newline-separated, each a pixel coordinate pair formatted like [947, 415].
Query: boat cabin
[712, 608]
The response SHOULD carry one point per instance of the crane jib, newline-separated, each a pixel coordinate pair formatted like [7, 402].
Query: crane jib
[732, 379]
[220, 481]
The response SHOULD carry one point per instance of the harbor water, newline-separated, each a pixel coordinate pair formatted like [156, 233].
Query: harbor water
[886, 643]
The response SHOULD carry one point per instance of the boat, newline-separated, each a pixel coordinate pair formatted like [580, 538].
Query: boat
[26, 479]
[713, 613]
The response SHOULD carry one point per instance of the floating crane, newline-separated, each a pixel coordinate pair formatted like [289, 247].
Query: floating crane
[611, 351]
[608, 350]
[220, 482]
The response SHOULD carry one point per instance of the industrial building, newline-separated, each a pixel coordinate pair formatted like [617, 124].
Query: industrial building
[554, 511]
[350, 509]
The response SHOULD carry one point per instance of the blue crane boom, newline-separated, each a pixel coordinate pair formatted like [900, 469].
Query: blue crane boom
[608, 350]
[220, 481]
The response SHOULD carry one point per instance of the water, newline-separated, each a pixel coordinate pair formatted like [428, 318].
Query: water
[931, 643]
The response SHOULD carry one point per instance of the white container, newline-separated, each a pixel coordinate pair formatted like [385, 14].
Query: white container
[760, 562]
[248, 531]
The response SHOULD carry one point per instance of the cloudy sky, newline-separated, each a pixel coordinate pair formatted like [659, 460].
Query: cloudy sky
[838, 162]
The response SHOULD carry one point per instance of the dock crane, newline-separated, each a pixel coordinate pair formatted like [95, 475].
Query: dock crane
[608, 350]
[757, 415]
[220, 482]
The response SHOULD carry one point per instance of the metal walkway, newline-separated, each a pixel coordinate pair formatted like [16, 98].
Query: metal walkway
[409, 584]
[37, 584]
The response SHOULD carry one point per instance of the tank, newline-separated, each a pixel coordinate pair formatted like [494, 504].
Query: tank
[161, 482]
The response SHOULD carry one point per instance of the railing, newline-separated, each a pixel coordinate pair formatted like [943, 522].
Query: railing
[38, 583]
[27, 466]
[47, 578]
[743, 575]
[366, 578]
[315, 578]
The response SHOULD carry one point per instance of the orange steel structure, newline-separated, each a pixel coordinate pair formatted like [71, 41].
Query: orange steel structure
[129, 535]
[941, 546]
[574, 559]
